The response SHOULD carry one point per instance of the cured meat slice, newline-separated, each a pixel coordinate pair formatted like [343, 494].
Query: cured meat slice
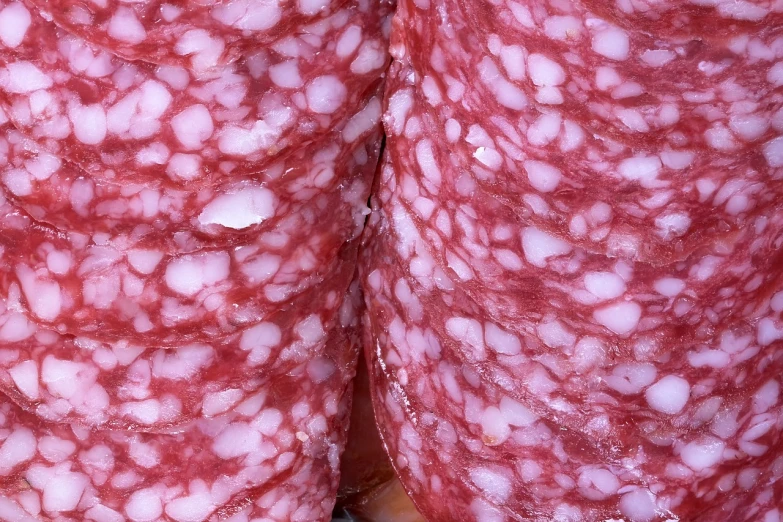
[275, 457]
[448, 228]
[198, 35]
[586, 423]
[527, 364]
[80, 285]
[143, 387]
[135, 122]
[321, 175]
[691, 17]
[612, 84]
[597, 193]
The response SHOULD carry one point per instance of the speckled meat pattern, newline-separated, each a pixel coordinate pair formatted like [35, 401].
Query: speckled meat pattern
[183, 188]
[573, 270]
[144, 123]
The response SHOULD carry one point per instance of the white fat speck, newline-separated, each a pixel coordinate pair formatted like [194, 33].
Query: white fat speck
[469, 332]
[89, 123]
[644, 169]
[144, 505]
[125, 27]
[639, 505]
[24, 77]
[286, 74]
[14, 22]
[144, 261]
[489, 157]
[631, 378]
[513, 59]
[542, 176]
[621, 318]
[194, 508]
[515, 413]
[63, 491]
[219, 402]
[236, 439]
[311, 7]
[671, 225]
[555, 335]
[669, 286]
[773, 152]
[775, 74]
[539, 246]
[563, 27]
[657, 57]
[749, 127]
[612, 42]
[604, 285]
[427, 162]
[768, 332]
[494, 426]
[18, 447]
[545, 72]
[43, 296]
[189, 274]
[545, 129]
[500, 340]
[193, 126]
[494, 484]
[237, 210]
[325, 94]
[766, 397]
[248, 15]
[669, 395]
[703, 453]
[25, 377]
[597, 483]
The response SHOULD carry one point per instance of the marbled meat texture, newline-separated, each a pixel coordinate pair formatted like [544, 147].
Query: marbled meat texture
[574, 266]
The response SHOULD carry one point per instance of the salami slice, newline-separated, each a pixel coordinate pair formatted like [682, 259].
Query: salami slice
[80, 285]
[565, 59]
[130, 121]
[577, 412]
[197, 35]
[230, 209]
[708, 19]
[274, 458]
[144, 387]
[601, 194]
[523, 367]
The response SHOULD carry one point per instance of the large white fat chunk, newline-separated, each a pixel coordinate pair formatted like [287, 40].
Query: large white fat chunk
[621, 318]
[246, 207]
[703, 453]
[668, 395]
[189, 274]
[125, 27]
[14, 22]
[64, 491]
[182, 363]
[18, 447]
[539, 246]
[604, 285]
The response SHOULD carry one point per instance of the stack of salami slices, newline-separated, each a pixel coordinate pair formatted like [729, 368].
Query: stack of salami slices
[182, 187]
[574, 269]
